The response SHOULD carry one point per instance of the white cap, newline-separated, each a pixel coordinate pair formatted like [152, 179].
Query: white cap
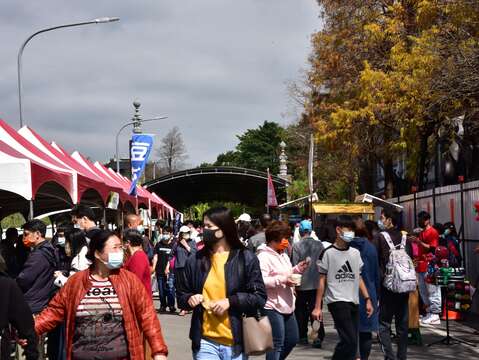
[185, 229]
[244, 217]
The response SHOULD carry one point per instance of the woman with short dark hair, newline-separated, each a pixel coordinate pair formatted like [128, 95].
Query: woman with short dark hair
[221, 282]
[280, 278]
[105, 308]
[137, 262]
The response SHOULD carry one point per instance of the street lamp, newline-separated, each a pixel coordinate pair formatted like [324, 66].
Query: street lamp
[136, 122]
[20, 52]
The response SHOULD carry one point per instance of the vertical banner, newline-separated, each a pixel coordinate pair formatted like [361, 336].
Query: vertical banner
[272, 201]
[141, 145]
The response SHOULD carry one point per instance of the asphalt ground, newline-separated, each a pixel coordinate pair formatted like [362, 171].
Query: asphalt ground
[176, 329]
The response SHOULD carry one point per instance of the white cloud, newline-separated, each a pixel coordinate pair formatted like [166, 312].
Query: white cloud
[216, 67]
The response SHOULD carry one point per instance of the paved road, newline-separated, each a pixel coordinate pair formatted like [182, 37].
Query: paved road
[176, 329]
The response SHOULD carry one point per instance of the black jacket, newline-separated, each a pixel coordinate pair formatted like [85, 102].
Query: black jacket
[14, 311]
[36, 278]
[244, 288]
[181, 254]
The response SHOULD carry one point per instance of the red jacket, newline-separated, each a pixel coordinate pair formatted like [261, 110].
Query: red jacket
[139, 314]
[139, 265]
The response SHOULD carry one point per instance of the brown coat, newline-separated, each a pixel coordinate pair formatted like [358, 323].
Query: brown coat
[139, 314]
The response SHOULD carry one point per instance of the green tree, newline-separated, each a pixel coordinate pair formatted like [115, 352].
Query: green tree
[257, 149]
[229, 158]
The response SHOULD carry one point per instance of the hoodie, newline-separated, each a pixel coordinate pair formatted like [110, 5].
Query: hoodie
[370, 275]
[276, 269]
[36, 278]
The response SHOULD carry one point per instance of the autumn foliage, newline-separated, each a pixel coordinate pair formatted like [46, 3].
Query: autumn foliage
[386, 77]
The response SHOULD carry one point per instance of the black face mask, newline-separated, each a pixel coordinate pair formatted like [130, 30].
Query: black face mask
[209, 237]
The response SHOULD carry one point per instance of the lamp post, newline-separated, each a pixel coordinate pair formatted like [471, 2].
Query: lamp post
[136, 122]
[20, 51]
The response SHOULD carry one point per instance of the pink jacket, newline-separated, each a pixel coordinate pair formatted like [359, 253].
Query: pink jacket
[276, 268]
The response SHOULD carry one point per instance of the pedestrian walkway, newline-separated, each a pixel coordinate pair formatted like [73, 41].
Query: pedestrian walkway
[176, 331]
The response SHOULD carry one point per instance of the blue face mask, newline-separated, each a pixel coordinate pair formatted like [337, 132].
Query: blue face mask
[115, 260]
[447, 232]
[347, 236]
[140, 228]
[381, 225]
[165, 237]
[61, 241]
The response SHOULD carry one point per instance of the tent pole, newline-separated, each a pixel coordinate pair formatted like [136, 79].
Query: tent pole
[30, 210]
[105, 226]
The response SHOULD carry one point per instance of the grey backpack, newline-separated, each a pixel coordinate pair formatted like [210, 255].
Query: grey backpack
[400, 276]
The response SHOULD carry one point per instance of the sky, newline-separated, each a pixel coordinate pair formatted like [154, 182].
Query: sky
[215, 67]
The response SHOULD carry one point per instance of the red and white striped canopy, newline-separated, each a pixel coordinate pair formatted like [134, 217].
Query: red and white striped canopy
[28, 162]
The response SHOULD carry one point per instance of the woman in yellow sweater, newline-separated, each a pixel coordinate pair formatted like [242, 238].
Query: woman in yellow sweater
[222, 282]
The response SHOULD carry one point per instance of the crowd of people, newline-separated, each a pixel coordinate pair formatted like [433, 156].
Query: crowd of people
[88, 292]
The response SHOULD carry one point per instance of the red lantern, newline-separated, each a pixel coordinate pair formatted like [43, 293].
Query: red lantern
[476, 205]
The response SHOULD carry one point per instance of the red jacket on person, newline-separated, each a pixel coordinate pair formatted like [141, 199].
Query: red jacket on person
[139, 265]
[139, 314]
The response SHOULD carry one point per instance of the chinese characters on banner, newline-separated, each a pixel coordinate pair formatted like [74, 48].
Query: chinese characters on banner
[141, 145]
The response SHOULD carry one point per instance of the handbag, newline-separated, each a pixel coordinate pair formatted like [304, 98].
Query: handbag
[257, 335]
[257, 331]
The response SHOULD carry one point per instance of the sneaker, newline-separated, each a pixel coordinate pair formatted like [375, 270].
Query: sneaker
[317, 344]
[431, 319]
[172, 310]
[303, 341]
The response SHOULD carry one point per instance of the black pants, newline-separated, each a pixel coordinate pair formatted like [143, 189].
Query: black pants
[346, 321]
[305, 301]
[397, 306]
[365, 345]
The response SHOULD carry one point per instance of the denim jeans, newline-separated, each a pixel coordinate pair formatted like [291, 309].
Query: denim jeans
[285, 334]
[430, 294]
[395, 306]
[166, 290]
[209, 350]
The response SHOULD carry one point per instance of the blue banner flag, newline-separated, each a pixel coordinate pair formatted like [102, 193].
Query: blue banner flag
[141, 145]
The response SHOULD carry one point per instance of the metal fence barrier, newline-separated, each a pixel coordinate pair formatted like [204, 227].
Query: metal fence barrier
[453, 203]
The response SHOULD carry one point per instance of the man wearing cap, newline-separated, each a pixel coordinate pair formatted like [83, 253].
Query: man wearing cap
[244, 224]
[184, 247]
[307, 247]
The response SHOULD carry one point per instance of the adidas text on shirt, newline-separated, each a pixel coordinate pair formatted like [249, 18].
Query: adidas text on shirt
[342, 268]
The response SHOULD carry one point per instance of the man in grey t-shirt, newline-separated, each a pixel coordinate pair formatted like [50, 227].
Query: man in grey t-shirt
[310, 248]
[340, 278]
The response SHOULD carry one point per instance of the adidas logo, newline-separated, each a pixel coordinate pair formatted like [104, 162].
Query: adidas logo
[346, 272]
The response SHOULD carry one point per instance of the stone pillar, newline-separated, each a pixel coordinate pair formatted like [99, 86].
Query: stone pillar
[283, 168]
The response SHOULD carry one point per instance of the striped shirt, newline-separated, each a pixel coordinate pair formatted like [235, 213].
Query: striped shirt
[99, 330]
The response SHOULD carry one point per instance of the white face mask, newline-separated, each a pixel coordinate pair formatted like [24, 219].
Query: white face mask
[348, 236]
[76, 226]
[140, 228]
[61, 241]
